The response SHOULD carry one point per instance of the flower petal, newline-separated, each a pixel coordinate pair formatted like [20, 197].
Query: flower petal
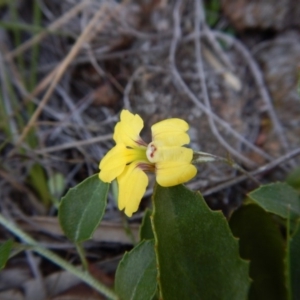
[171, 132]
[173, 165]
[132, 186]
[114, 162]
[127, 131]
[158, 153]
[174, 173]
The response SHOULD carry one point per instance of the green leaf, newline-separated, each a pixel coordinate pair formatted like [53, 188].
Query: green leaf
[56, 184]
[294, 179]
[136, 273]
[4, 252]
[278, 198]
[37, 179]
[197, 255]
[3, 2]
[82, 208]
[262, 244]
[294, 263]
[146, 232]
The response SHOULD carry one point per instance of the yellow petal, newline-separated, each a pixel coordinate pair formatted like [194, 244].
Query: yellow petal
[127, 131]
[174, 172]
[114, 162]
[171, 132]
[132, 186]
[173, 165]
[158, 153]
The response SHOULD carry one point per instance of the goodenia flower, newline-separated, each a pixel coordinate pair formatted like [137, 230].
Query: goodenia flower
[131, 158]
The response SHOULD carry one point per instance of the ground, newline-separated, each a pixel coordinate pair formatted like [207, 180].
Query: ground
[67, 68]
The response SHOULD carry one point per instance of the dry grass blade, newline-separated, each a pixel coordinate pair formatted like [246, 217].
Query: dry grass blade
[75, 144]
[54, 26]
[263, 169]
[86, 35]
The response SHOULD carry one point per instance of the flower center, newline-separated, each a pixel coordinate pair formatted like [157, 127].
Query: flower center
[146, 167]
[150, 152]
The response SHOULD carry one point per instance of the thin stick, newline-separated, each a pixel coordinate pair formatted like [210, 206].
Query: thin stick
[129, 85]
[54, 26]
[260, 85]
[235, 180]
[203, 157]
[183, 87]
[75, 144]
[199, 20]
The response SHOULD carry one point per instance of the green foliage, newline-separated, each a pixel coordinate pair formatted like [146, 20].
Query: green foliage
[212, 9]
[294, 179]
[37, 179]
[197, 255]
[278, 198]
[5, 249]
[136, 274]
[188, 251]
[15, 113]
[293, 261]
[82, 208]
[198, 258]
[4, 3]
[56, 185]
[146, 232]
[262, 244]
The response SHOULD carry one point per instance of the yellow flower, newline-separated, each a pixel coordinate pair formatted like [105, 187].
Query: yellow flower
[131, 158]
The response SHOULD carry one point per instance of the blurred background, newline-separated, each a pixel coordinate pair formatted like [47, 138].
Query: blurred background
[67, 69]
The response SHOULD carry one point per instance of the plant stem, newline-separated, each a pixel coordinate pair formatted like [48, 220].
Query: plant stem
[81, 254]
[84, 276]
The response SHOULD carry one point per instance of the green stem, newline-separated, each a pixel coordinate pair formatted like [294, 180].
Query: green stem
[84, 276]
[81, 254]
[37, 19]
[17, 34]
[128, 230]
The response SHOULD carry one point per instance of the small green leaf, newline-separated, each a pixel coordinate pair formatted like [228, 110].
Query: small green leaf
[4, 252]
[278, 198]
[82, 208]
[146, 232]
[197, 255]
[56, 184]
[294, 262]
[294, 179]
[262, 244]
[136, 273]
[37, 179]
